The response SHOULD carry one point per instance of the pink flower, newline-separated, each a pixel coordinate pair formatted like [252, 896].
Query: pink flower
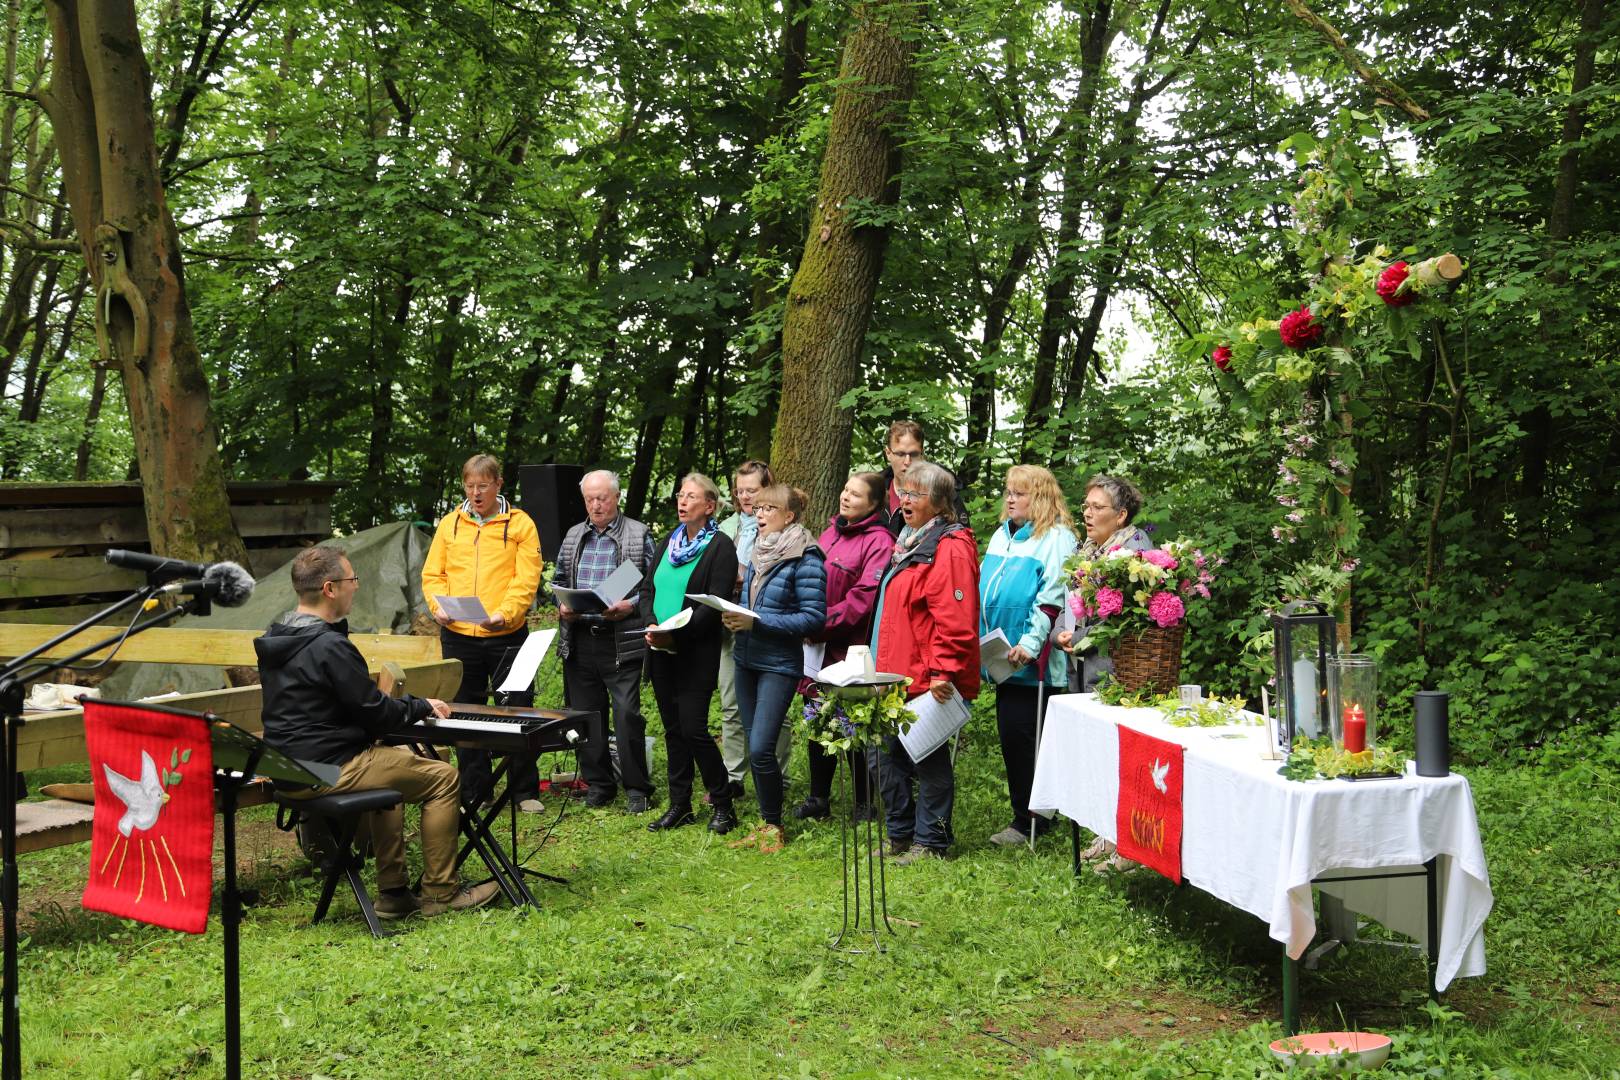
[1389, 285]
[1159, 558]
[1077, 604]
[1350, 565]
[1166, 609]
[1222, 356]
[1109, 602]
[1202, 590]
[1296, 517]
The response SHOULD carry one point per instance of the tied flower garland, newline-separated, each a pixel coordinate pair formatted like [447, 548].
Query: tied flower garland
[840, 724]
[1122, 591]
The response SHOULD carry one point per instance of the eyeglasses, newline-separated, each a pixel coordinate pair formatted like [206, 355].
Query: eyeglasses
[1011, 494]
[909, 455]
[765, 508]
[907, 493]
[341, 580]
[476, 489]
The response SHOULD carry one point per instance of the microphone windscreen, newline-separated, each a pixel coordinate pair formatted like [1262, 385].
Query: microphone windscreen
[231, 584]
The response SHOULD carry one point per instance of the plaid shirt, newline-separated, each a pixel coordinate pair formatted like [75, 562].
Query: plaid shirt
[598, 557]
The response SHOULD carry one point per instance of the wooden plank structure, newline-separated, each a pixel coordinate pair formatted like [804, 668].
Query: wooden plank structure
[219, 648]
[53, 537]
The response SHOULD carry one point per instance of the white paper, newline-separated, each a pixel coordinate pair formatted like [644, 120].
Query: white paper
[463, 608]
[815, 654]
[854, 671]
[619, 584]
[720, 603]
[584, 601]
[674, 622]
[993, 649]
[520, 676]
[935, 723]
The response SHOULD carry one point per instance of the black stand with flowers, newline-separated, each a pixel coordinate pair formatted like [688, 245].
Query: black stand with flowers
[857, 718]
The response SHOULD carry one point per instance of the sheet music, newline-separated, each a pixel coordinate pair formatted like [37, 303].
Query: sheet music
[674, 622]
[619, 584]
[584, 601]
[463, 608]
[936, 722]
[520, 676]
[993, 649]
[721, 604]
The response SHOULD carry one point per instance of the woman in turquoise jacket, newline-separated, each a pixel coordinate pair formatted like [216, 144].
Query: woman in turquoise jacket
[1021, 590]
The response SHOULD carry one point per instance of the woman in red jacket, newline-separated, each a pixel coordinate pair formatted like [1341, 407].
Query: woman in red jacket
[858, 544]
[927, 628]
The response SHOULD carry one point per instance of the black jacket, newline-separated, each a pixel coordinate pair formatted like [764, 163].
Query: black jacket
[697, 644]
[319, 701]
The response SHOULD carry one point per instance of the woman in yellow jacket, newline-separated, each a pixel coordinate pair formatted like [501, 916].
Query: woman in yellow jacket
[489, 549]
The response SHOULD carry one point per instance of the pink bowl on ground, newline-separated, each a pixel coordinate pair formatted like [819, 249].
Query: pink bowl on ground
[1334, 1048]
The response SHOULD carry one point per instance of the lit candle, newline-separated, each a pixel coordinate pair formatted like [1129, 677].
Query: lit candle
[1355, 728]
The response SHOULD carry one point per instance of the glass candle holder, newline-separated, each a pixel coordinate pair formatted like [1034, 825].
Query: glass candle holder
[1353, 701]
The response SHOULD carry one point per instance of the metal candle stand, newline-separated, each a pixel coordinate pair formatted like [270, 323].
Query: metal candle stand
[857, 851]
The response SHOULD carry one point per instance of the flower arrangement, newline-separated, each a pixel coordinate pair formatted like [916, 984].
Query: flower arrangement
[1122, 591]
[840, 724]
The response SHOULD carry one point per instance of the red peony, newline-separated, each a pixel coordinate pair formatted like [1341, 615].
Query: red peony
[1222, 356]
[1300, 329]
[1389, 285]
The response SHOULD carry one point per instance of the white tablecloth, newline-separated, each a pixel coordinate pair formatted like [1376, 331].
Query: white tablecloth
[1256, 841]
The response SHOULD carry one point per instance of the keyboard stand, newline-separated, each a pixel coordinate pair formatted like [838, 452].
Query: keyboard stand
[502, 871]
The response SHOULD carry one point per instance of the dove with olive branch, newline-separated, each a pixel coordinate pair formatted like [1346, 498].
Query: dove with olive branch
[1160, 770]
[143, 801]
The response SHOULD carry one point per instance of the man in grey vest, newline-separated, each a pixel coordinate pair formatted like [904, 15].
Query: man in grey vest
[601, 659]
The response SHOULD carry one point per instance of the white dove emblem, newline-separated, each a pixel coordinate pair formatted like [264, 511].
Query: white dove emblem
[143, 799]
[1160, 770]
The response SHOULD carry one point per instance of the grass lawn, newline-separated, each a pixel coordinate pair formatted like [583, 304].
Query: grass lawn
[672, 955]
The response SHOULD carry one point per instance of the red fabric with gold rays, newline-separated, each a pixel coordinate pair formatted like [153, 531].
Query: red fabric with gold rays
[1148, 815]
[152, 849]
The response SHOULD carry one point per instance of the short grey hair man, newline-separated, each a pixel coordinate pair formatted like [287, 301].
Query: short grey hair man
[609, 475]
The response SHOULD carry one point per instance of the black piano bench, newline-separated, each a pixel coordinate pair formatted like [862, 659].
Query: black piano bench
[341, 813]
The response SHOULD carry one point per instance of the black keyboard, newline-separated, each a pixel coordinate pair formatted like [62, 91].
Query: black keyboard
[504, 729]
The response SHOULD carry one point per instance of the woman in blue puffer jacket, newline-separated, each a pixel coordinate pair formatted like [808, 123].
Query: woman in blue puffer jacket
[1022, 588]
[785, 586]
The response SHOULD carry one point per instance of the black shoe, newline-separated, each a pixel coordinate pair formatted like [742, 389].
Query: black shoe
[865, 812]
[599, 797]
[812, 808]
[735, 789]
[636, 802]
[724, 820]
[673, 818]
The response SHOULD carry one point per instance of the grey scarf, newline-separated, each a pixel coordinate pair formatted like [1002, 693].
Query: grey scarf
[773, 548]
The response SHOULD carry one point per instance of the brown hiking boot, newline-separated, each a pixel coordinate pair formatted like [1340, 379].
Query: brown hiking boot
[772, 838]
[466, 898]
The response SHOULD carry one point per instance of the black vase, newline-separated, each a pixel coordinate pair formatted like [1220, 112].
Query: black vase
[1433, 723]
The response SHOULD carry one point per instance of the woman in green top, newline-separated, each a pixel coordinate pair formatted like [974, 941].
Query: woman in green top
[685, 664]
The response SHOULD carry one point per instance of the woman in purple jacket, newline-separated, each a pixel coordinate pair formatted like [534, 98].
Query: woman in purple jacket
[858, 545]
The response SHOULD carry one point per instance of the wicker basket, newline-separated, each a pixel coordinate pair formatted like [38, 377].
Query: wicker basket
[1150, 657]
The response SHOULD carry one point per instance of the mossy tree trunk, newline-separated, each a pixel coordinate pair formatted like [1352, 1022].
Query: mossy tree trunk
[101, 113]
[830, 301]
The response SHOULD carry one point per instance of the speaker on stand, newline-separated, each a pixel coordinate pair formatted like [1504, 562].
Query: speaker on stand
[550, 495]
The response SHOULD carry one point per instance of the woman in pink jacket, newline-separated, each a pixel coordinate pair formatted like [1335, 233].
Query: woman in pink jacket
[858, 544]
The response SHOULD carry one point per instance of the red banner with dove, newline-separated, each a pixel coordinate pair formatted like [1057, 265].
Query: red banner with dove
[152, 844]
[1148, 815]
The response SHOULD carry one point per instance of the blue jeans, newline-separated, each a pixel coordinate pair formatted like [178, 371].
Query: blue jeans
[763, 698]
[923, 818]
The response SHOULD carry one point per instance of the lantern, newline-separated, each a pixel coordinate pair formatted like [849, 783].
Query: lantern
[1302, 638]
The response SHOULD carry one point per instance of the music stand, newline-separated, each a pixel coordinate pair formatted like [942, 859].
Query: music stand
[14, 675]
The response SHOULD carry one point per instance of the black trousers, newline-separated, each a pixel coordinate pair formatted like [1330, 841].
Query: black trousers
[1015, 722]
[484, 663]
[683, 698]
[597, 682]
[824, 766]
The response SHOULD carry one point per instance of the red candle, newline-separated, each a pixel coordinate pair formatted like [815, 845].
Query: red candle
[1355, 729]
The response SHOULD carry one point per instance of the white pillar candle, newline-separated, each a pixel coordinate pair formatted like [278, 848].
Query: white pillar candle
[1305, 706]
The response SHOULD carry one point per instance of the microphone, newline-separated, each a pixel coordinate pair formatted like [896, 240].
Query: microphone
[225, 583]
[160, 567]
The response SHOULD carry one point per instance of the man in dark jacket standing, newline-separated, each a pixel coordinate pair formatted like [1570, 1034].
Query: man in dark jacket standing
[320, 704]
[602, 655]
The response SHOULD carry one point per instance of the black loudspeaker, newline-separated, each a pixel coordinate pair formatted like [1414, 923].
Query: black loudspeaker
[550, 495]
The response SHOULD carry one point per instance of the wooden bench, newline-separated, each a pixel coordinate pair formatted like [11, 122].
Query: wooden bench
[57, 738]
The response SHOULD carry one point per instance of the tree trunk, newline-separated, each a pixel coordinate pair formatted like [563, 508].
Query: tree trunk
[775, 236]
[92, 416]
[1058, 298]
[101, 113]
[656, 392]
[830, 301]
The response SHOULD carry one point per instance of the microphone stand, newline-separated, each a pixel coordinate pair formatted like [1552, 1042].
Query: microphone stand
[13, 675]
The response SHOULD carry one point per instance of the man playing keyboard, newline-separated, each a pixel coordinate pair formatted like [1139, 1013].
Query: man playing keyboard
[320, 704]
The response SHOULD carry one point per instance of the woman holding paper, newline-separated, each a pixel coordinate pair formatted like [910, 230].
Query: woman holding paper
[785, 586]
[684, 661]
[927, 628]
[858, 545]
[1022, 589]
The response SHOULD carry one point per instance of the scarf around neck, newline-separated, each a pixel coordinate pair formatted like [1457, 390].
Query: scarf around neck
[683, 550]
[773, 548]
[909, 539]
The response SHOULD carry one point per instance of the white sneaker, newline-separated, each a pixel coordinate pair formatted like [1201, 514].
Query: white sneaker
[531, 806]
[1009, 837]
